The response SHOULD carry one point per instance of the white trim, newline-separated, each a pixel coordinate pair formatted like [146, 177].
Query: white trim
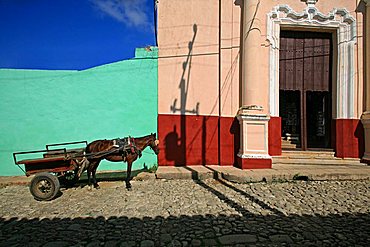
[310, 3]
[254, 156]
[251, 117]
[338, 20]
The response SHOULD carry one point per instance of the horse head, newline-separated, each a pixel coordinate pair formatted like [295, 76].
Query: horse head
[154, 143]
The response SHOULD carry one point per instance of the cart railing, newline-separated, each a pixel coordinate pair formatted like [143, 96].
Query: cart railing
[62, 150]
[64, 144]
[49, 153]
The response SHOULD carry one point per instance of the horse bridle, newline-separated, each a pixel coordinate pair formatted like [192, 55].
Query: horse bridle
[155, 142]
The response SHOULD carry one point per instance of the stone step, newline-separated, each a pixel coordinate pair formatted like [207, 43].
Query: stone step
[312, 157]
[293, 154]
[285, 144]
[288, 146]
[278, 160]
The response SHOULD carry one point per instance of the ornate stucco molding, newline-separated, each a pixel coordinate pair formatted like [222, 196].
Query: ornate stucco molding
[339, 21]
[310, 3]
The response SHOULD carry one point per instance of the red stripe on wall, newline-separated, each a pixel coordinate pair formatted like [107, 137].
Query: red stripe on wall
[274, 136]
[349, 138]
[229, 140]
[197, 140]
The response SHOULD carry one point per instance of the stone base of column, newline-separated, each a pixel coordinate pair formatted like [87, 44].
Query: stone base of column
[253, 153]
[365, 120]
[254, 162]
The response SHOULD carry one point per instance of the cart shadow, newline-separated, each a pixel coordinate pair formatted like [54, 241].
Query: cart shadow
[59, 194]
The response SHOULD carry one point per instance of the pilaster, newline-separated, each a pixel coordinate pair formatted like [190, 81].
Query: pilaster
[253, 121]
[251, 48]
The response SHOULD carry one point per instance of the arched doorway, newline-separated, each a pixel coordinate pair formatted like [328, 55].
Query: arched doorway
[342, 26]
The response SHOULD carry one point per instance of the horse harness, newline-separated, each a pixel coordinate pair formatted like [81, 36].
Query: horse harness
[126, 146]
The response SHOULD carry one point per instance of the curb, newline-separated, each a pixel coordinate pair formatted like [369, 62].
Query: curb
[231, 174]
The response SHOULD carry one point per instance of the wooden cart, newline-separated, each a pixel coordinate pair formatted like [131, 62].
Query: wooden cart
[56, 166]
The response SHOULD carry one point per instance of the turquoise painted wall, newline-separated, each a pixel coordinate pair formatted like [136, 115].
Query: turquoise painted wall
[40, 107]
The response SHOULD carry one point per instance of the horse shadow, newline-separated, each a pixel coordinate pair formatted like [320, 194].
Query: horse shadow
[111, 176]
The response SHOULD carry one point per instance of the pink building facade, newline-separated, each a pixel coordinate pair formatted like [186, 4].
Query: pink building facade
[241, 81]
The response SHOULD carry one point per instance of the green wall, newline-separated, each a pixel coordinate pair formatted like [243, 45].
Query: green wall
[40, 107]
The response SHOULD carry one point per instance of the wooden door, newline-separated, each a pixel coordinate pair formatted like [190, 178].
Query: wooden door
[305, 88]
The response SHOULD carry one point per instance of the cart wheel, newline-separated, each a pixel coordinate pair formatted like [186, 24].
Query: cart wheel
[44, 186]
[69, 178]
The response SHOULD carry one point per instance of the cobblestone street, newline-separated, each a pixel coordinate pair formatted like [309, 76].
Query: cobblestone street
[191, 213]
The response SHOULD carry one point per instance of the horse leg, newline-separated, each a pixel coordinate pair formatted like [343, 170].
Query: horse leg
[89, 177]
[93, 171]
[96, 185]
[128, 178]
[91, 168]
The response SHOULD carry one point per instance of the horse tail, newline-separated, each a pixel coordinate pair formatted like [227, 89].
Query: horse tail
[83, 164]
[88, 148]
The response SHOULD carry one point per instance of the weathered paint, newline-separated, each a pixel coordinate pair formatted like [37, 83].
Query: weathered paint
[40, 107]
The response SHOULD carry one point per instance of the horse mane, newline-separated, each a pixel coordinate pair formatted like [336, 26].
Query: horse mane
[147, 136]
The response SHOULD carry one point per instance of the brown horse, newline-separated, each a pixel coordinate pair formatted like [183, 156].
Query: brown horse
[126, 150]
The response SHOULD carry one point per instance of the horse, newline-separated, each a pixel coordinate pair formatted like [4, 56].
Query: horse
[127, 150]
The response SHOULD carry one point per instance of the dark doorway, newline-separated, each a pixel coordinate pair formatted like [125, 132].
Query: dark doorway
[305, 89]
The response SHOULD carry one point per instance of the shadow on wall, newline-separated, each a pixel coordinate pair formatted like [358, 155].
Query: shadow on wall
[202, 147]
[175, 145]
[235, 131]
[173, 150]
[359, 135]
[191, 139]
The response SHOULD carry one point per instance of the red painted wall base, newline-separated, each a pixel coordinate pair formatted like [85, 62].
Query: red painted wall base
[349, 138]
[274, 136]
[197, 140]
[209, 140]
[246, 163]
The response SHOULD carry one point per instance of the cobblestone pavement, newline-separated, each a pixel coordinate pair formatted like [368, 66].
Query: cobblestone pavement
[191, 213]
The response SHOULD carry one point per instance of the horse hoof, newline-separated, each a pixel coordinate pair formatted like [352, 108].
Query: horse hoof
[129, 188]
[97, 187]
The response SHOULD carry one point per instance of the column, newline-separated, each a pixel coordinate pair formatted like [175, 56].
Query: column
[253, 120]
[365, 119]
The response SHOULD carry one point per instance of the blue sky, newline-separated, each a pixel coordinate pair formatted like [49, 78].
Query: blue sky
[72, 34]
